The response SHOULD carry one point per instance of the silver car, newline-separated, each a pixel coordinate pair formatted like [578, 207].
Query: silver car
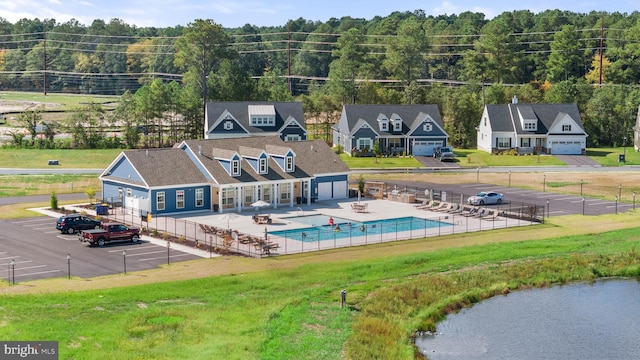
[486, 198]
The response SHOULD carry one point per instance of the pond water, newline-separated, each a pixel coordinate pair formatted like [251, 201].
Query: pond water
[570, 322]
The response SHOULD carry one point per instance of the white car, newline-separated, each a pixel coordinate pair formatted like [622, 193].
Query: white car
[486, 198]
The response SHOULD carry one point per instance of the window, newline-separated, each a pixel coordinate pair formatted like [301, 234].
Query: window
[263, 121]
[530, 125]
[199, 197]
[503, 143]
[228, 125]
[395, 143]
[228, 197]
[289, 163]
[248, 194]
[427, 127]
[263, 166]
[364, 143]
[129, 192]
[180, 199]
[285, 192]
[266, 193]
[526, 142]
[292, 138]
[235, 167]
[566, 127]
[160, 200]
[384, 125]
[397, 125]
[120, 194]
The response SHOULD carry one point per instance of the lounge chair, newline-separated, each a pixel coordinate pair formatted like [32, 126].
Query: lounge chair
[492, 215]
[425, 202]
[472, 212]
[445, 208]
[481, 212]
[432, 205]
[466, 209]
[454, 208]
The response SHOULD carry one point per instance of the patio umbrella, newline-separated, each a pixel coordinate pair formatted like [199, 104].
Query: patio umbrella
[260, 204]
[228, 216]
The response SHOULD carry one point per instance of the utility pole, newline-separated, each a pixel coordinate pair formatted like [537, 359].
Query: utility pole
[289, 56]
[601, 39]
[44, 55]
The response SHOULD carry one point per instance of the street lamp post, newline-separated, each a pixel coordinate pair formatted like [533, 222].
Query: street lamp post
[68, 266]
[620, 191]
[581, 183]
[582, 206]
[624, 150]
[478, 175]
[544, 183]
[168, 248]
[509, 178]
[616, 204]
[13, 271]
[124, 260]
[548, 209]
[634, 200]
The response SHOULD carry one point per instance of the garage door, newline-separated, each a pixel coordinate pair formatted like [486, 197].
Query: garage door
[340, 190]
[324, 190]
[425, 148]
[566, 148]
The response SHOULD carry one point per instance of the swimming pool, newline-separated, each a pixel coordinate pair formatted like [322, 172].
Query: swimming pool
[317, 219]
[366, 228]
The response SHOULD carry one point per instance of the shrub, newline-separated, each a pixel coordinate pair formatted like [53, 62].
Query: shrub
[54, 201]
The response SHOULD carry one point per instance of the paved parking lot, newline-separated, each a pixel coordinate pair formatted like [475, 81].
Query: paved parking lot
[40, 251]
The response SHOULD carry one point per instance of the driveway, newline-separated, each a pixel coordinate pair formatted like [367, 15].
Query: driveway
[433, 163]
[577, 160]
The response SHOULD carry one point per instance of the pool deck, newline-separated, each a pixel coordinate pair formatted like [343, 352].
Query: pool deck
[375, 210]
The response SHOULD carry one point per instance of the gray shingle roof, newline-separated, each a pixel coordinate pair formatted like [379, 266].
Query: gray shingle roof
[163, 167]
[505, 117]
[240, 110]
[313, 157]
[408, 113]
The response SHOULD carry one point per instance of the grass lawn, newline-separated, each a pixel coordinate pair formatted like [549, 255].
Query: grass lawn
[25, 185]
[288, 307]
[67, 101]
[68, 159]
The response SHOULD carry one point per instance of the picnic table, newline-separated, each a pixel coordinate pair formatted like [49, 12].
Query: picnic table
[359, 208]
[262, 219]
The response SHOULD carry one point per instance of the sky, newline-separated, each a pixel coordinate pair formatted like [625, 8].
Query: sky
[236, 13]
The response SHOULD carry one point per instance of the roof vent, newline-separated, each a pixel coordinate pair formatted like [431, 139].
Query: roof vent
[147, 152]
[311, 147]
[199, 150]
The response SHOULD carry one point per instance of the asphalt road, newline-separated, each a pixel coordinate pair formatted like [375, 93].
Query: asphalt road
[40, 251]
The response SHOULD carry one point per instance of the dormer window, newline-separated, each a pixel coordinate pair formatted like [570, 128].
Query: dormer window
[262, 115]
[228, 125]
[288, 163]
[235, 167]
[263, 166]
[530, 125]
[397, 125]
[566, 127]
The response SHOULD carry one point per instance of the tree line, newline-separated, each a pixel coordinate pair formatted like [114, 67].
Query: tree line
[459, 62]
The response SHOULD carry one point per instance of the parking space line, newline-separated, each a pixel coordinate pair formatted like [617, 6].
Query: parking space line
[146, 253]
[37, 273]
[565, 198]
[30, 267]
[31, 221]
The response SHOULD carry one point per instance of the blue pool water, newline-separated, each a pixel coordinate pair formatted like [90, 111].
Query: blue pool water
[317, 219]
[366, 228]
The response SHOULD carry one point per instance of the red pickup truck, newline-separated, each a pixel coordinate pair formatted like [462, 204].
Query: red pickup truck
[110, 232]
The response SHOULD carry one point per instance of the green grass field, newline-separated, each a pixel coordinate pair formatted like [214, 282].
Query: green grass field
[67, 101]
[68, 159]
[291, 309]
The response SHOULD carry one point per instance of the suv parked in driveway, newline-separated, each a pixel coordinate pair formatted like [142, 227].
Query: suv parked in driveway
[71, 223]
[444, 153]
